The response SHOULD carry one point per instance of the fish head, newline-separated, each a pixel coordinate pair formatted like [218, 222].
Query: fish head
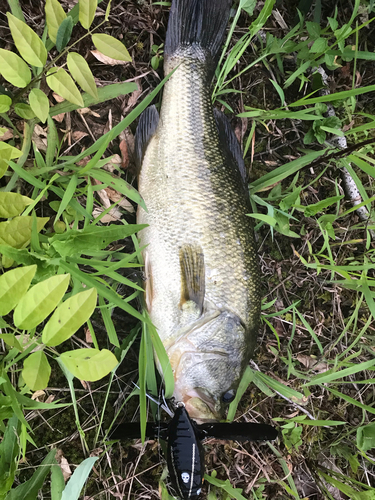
[210, 367]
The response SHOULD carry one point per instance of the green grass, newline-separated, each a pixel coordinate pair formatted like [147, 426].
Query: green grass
[313, 374]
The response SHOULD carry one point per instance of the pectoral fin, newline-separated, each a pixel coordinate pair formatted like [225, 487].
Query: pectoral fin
[192, 276]
[146, 128]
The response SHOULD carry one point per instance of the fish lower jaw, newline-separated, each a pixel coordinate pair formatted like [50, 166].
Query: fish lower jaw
[198, 409]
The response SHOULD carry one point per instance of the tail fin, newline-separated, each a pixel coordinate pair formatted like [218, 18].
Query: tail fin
[197, 23]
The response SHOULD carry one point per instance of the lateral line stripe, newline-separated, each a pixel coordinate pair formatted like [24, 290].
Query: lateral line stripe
[192, 470]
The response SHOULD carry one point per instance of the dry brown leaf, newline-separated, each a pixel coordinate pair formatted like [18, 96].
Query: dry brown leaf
[123, 202]
[103, 195]
[78, 134]
[38, 396]
[107, 197]
[24, 341]
[108, 125]
[50, 399]
[131, 102]
[97, 452]
[8, 134]
[64, 465]
[124, 153]
[88, 335]
[66, 470]
[113, 163]
[58, 97]
[88, 111]
[113, 215]
[59, 118]
[84, 384]
[107, 60]
[40, 138]
[310, 362]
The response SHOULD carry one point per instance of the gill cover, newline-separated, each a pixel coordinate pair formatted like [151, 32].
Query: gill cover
[185, 456]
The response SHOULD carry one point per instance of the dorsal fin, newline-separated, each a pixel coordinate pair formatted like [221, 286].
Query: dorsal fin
[146, 128]
[229, 141]
[192, 275]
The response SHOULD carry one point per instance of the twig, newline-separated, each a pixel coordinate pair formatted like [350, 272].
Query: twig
[350, 187]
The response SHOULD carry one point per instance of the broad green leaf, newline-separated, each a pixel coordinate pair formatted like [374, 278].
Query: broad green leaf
[320, 45]
[69, 316]
[4, 161]
[92, 238]
[366, 437]
[64, 86]
[111, 47]
[81, 73]
[14, 69]
[24, 111]
[29, 45]
[5, 103]
[87, 9]
[11, 341]
[28, 490]
[40, 301]
[9, 450]
[271, 221]
[248, 6]
[89, 364]
[17, 232]
[76, 482]
[39, 104]
[12, 204]
[64, 33]
[226, 486]
[313, 29]
[57, 482]
[4, 147]
[333, 23]
[55, 15]
[103, 290]
[315, 208]
[104, 94]
[13, 286]
[36, 371]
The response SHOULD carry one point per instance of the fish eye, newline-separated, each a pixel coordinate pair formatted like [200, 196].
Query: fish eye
[228, 396]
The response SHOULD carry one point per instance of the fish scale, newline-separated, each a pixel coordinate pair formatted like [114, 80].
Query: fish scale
[196, 205]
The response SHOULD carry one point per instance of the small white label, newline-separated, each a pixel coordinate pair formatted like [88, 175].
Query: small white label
[185, 477]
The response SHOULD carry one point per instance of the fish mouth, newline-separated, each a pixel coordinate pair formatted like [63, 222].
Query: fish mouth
[201, 407]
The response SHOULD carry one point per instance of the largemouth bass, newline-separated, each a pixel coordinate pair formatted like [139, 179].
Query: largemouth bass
[202, 283]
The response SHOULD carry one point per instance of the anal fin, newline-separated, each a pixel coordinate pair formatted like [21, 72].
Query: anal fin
[192, 276]
[146, 128]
